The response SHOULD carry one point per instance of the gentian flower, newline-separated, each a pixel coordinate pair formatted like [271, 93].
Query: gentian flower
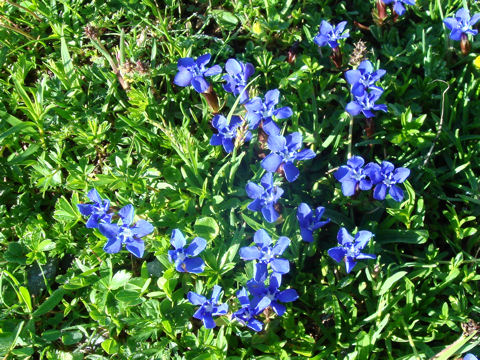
[329, 35]
[126, 233]
[270, 296]
[98, 211]
[310, 221]
[246, 314]
[208, 308]
[461, 24]
[227, 133]
[285, 152]
[193, 72]
[364, 78]
[385, 178]
[365, 104]
[353, 175]
[398, 5]
[470, 357]
[185, 259]
[237, 78]
[265, 197]
[258, 111]
[265, 254]
[350, 248]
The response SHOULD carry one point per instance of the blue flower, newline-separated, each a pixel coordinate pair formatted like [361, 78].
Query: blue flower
[265, 197]
[365, 104]
[385, 178]
[246, 314]
[185, 259]
[98, 211]
[398, 5]
[310, 221]
[265, 254]
[126, 233]
[208, 308]
[237, 78]
[285, 152]
[269, 296]
[227, 133]
[461, 24]
[364, 78]
[193, 72]
[470, 357]
[353, 175]
[350, 248]
[328, 34]
[258, 111]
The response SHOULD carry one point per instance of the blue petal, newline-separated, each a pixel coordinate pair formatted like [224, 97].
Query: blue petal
[276, 143]
[92, 222]
[253, 190]
[337, 253]
[396, 193]
[109, 230]
[291, 171]
[380, 191]
[283, 113]
[94, 196]
[255, 205]
[281, 245]
[200, 84]
[219, 122]
[305, 154]
[400, 174]
[451, 23]
[463, 14]
[325, 28]
[113, 246]
[260, 273]
[249, 253]
[263, 304]
[294, 141]
[278, 308]
[362, 238]
[196, 299]
[126, 214]
[261, 238]
[177, 239]
[136, 247]
[203, 60]
[355, 162]
[353, 108]
[272, 162]
[456, 34]
[228, 145]
[281, 266]
[267, 180]
[254, 105]
[343, 237]
[270, 127]
[320, 40]
[269, 213]
[288, 295]
[216, 293]
[362, 256]
[352, 76]
[142, 228]
[233, 67]
[249, 70]
[221, 309]
[186, 62]
[307, 235]
[342, 172]
[216, 140]
[85, 209]
[214, 70]
[271, 97]
[196, 246]
[349, 264]
[183, 78]
[349, 187]
[304, 215]
[194, 265]
[208, 321]
[256, 325]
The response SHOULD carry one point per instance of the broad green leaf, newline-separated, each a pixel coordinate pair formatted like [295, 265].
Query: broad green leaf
[390, 282]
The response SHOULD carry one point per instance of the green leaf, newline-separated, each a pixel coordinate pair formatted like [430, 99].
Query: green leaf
[206, 227]
[25, 297]
[129, 297]
[401, 236]
[110, 346]
[225, 19]
[50, 303]
[391, 281]
[72, 337]
[64, 211]
[119, 280]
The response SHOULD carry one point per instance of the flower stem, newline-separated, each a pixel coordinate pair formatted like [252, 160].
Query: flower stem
[350, 137]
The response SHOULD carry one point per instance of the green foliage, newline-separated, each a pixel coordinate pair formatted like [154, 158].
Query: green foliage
[87, 100]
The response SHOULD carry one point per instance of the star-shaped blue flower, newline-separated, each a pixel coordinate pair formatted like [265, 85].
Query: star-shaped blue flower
[186, 260]
[265, 254]
[265, 197]
[285, 151]
[258, 111]
[227, 133]
[310, 221]
[265, 296]
[246, 314]
[398, 5]
[329, 35]
[98, 211]
[237, 78]
[193, 72]
[364, 78]
[461, 24]
[208, 308]
[470, 357]
[366, 104]
[385, 178]
[126, 233]
[350, 248]
[353, 175]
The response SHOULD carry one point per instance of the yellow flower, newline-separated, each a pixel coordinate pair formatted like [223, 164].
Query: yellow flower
[476, 62]
[257, 28]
